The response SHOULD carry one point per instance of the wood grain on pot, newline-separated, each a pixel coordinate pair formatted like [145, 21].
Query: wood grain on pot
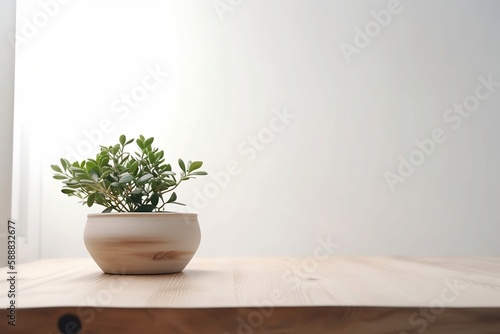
[142, 243]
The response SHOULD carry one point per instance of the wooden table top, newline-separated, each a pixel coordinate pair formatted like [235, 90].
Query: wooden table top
[333, 295]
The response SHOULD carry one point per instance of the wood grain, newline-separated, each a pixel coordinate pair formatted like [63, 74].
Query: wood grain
[264, 295]
[142, 243]
[293, 320]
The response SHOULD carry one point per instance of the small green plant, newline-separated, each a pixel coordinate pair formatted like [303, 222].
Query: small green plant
[125, 181]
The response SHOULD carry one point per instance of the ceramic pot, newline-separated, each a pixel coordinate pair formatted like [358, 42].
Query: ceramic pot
[142, 243]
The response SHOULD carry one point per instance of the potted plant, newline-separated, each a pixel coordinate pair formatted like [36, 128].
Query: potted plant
[133, 234]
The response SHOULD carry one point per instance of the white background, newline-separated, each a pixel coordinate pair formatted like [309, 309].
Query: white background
[230, 70]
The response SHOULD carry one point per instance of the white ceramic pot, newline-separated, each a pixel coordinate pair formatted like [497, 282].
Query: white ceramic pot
[142, 243]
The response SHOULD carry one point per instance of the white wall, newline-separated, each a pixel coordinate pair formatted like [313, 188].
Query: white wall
[7, 24]
[323, 172]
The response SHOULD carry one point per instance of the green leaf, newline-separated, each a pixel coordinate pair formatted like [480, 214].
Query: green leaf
[100, 198]
[145, 208]
[64, 163]
[90, 200]
[149, 141]
[67, 191]
[144, 179]
[182, 165]
[199, 173]
[77, 169]
[123, 139]
[56, 168]
[140, 143]
[169, 182]
[165, 185]
[85, 181]
[104, 161]
[137, 199]
[115, 149]
[106, 173]
[154, 200]
[125, 178]
[107, 210]
[71, 182]
[82, 176]
[195, 165]
[60, 177]
[172, 198]
[91, 165]
[152, 157]
[133, 167]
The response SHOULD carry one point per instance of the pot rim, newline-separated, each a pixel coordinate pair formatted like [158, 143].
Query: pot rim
[147, 214]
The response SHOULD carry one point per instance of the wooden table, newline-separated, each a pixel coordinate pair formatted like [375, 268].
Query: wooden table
[372, 295]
